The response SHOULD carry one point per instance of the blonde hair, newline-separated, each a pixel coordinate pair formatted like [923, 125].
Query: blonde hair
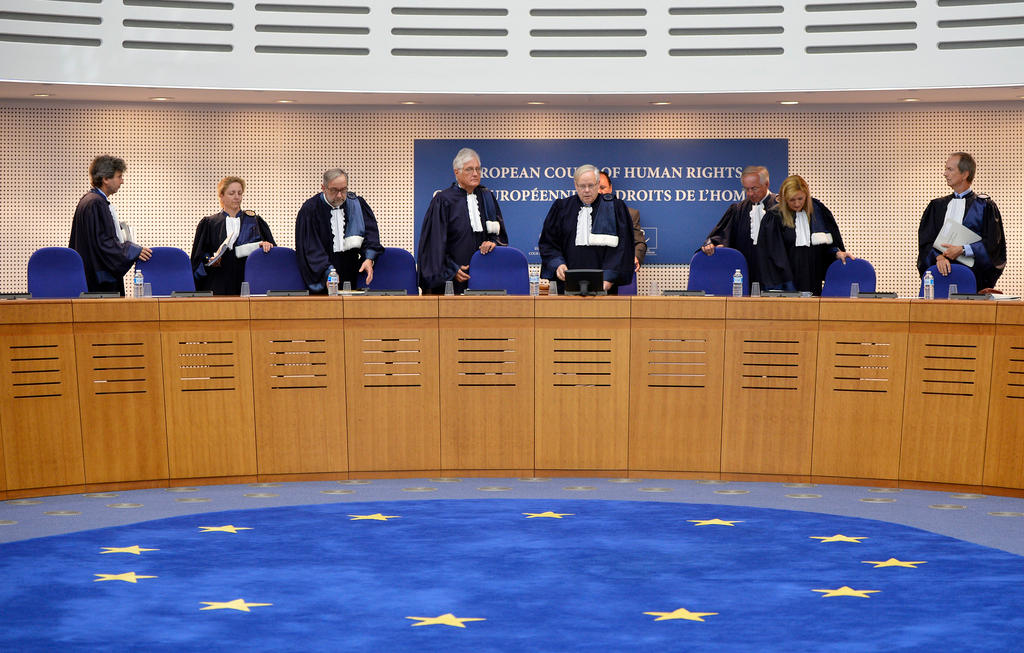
[791, 186]
[223, 184]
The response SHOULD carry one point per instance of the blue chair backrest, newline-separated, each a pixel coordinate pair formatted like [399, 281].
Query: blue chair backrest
[503, 268]
[395, 270]
[273, 270]
[167, 270]
[56, 272]
[838, 278]
[713, 274]
[961, 275]
[630, 288]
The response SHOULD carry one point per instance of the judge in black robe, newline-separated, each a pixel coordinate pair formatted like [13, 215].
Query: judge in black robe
[96, 235]
[608, 230]
[452, 231]
[350, 242]
[979, 214]
[796, 256]
[225, 276]
[735, 228]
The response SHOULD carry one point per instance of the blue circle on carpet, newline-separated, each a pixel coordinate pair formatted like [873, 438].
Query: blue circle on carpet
[510, 575]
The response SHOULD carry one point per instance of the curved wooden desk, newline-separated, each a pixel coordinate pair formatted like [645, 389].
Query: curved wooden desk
[108, 394]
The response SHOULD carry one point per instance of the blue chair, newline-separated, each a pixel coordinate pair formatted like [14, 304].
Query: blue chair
[274, 270]
[167, 270]
[838, 278]
[961, 275]
[713, 274]
[395, 270]
[503, 268]
[630, 288]
[56, 272]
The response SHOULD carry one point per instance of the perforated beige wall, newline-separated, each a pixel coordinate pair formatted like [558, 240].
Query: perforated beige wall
[875, 168]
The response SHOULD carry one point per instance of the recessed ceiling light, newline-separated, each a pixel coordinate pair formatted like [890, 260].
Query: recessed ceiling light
[284, 101]
[536, 102]
[161, 99]
[660, 103]
[910, 99]
[409, 102]
[788, 102]
[40, 95]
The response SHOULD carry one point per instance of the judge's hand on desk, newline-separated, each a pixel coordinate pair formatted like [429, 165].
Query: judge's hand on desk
[266, 246]
[560, 272]
[367, 267]
[145, 254]
[486, 246]
[844, 256]
[462, 275]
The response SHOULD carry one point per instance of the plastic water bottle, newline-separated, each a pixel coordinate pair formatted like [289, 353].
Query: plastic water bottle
[138, 283]
[332, 281]
[737, 284]
[534, 284]
[929, 285]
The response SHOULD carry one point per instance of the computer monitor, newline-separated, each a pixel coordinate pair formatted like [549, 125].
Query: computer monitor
[584, 282]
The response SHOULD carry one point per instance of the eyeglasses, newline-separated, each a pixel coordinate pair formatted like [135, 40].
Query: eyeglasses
[472, 171]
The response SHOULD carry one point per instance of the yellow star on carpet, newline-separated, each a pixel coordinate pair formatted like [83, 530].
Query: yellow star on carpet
[713, 522]
[846, 591]
[893, 562]
[681, 613]
[125, 549]
[377, 517]
[129, 577]
[237, 604]
[444, 620]
[223, 529]
[838, 538]
[553, 515]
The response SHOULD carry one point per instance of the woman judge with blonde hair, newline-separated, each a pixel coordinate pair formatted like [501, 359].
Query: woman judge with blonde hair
[799, 240]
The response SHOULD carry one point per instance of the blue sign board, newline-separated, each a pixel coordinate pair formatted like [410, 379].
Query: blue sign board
[680, 186]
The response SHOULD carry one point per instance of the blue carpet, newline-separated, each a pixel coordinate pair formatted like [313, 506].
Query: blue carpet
[484, 575]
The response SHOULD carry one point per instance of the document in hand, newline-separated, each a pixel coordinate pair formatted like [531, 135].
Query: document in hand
[219, 253]
[954, 233]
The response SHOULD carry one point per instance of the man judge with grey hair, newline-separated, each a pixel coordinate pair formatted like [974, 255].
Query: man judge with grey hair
[588, 231]
[461, 220]
[336, 227]
[740, 227]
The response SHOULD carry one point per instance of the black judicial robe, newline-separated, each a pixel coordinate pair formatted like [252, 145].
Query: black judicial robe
[557, 244]
[981, 215]
[227, 278]
[314, 244]
[733, 230]
[447, 240]
[106, 259]
[784, 266]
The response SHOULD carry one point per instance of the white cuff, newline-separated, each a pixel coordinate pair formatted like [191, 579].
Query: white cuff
[604, 240]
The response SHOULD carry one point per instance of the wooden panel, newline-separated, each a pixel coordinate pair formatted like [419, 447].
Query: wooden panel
[858, 408]
[115, 310]
[582, 415]
[208, 398]
[1004, 450]
[204, 308]
[768, 410]
[36, 311]
[679, 308]
[864, 310]
[775, 308]
[39, 419]
[467, 306]
[487, 391]
[946, 403]
[675, 399]
[295, 308]
[120, 382]
[562, 306]
[946, 311]
[392, 388]
[299, 394]
[379, 307]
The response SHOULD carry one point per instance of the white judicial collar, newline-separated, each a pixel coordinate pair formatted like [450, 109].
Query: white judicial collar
[338, 227]
[756, 213]
[117, 224]
[583, 225]
[803, 229]
[474, 212]
[956, 207]
[232, 226]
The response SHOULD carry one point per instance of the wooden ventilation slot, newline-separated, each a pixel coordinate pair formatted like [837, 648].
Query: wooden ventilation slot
[677, 362]
[118, 368]
[392, 362]
[770, 365]
[582, 363]
[36, 371]
[487, 362]
[949, 370]
[207, 365]
[298, 364]
[862, 367]
[1015, 372]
